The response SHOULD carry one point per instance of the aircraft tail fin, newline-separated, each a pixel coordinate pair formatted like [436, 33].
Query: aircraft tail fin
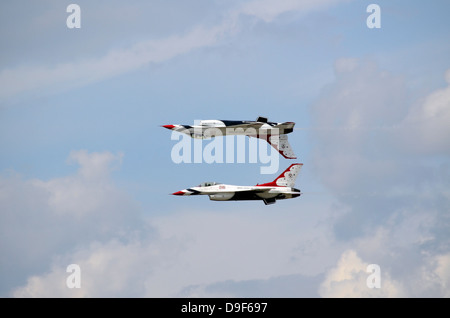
[281, 143]
[287, 178]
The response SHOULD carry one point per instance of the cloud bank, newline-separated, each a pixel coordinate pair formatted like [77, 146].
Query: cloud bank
[396, 201]
[42, 221]
[63, 76]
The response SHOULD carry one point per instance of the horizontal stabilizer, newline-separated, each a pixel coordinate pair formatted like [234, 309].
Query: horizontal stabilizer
[270, 201]
[262, 119]
[285, 128]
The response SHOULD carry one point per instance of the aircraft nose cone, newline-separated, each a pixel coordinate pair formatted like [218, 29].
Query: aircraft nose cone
[178, 193]
[168, 126]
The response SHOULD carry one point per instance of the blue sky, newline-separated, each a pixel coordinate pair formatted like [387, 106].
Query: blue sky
[86, 169]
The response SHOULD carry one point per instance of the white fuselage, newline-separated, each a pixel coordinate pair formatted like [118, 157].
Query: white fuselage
[274, 133]
[280, 188]
[225, 192]
[214, 128]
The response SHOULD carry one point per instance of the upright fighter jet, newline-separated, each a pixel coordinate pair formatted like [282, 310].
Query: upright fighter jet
[279, 189]
[273, 133]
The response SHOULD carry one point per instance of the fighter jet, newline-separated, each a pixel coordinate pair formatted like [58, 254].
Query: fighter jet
[273, 133]
[279, 189]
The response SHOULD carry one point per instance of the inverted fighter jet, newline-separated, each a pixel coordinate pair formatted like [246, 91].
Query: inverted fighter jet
[279, 189]
[273, 133]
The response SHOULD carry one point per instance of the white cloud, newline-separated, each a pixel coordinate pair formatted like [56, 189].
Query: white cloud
[367, 130]
[118, 61]
[171, 254]
[268, 10]
[238, 246]
[87, 192]
[409, 248]
[85, 219]
[396, 203]
[354, 116]
[346, 64]
[54, 78]
[442, 271]
[430, 279]
[41, 220]
[349, 279]
[110, 269]
[426, 128]
[94, 166]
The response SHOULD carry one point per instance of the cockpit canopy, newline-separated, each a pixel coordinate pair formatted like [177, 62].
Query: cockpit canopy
[207, 184]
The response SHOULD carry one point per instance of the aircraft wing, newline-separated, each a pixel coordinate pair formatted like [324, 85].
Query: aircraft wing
[242, 191]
